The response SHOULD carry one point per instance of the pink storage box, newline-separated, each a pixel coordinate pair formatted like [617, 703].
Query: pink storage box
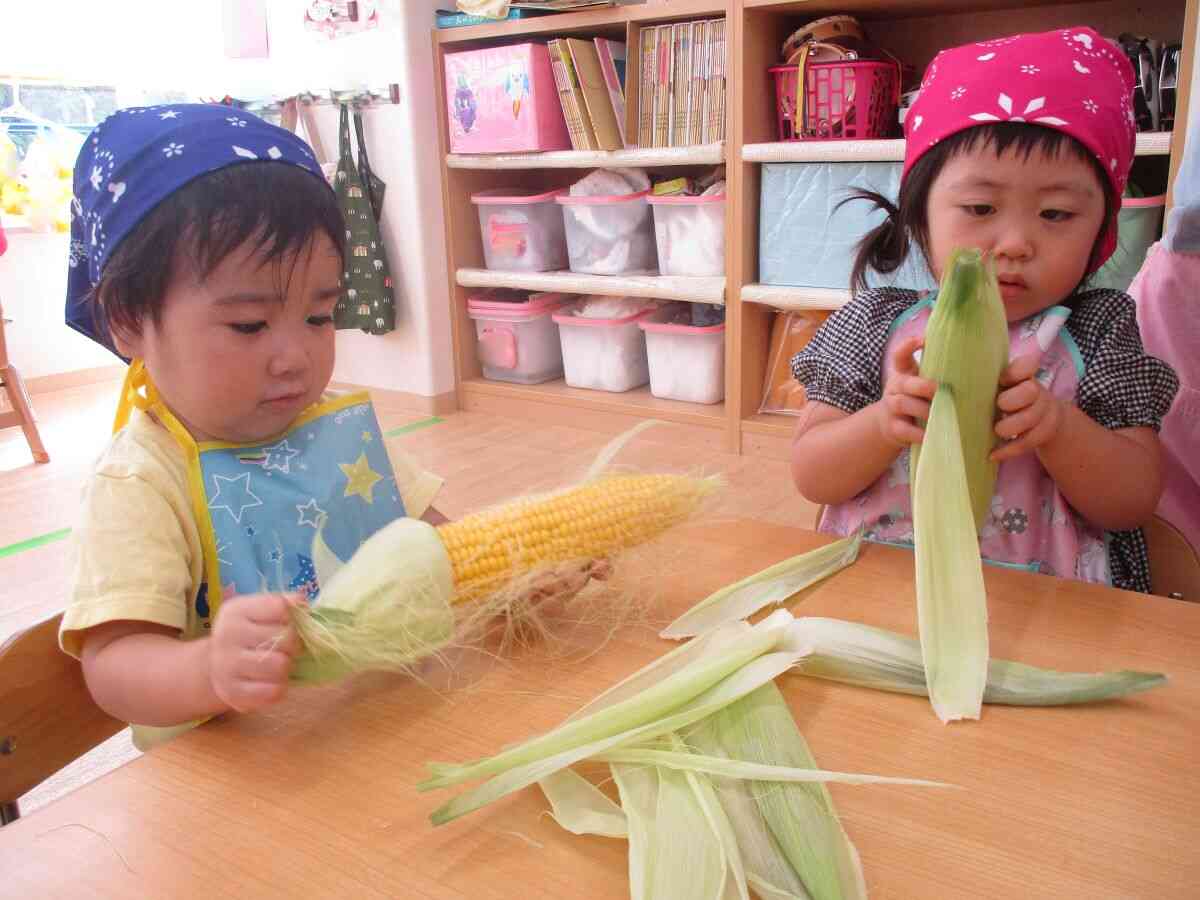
[518, 339]
[690, 234]
[521, 232]
[504, 100]
[687, 362]
[604, 354]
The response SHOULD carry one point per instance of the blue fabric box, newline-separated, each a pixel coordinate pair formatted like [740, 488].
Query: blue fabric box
[806, 241]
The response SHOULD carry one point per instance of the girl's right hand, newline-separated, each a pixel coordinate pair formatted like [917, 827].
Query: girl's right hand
[251, 650]
[906, 397]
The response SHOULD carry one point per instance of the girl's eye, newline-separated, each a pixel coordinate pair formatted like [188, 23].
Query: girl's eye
[1057, 215]
[978, 209]
[248, 327]
[320, 320]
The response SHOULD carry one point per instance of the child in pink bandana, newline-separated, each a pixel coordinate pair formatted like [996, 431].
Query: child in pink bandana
[1021, 147]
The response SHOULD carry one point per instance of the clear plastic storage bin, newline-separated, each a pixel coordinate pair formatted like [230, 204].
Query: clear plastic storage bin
[609, 235]
[518, 338]
[690, 234]
[604, 354]
[521, 232]
[686, 362]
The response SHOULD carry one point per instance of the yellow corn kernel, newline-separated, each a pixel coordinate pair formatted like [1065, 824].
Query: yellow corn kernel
[593, 521]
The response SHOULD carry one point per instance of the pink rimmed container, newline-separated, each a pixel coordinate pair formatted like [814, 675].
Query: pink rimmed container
[609, 235]
[690, 234]
[686, 362]
[518, 338]
[604, 354]
[521, 232]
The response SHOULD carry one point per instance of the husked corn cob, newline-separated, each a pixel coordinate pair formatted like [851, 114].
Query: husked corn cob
[595, 520]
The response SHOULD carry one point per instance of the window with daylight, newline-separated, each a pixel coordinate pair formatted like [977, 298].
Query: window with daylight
[43, 122]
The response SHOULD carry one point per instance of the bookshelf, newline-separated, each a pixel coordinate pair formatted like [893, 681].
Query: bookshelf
[755, 30]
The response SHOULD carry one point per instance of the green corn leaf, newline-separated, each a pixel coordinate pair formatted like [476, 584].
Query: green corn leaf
[951, 598]
[775, 585]
[858, 654]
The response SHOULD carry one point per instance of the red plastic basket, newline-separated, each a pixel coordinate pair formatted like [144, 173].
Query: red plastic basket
[843, 101]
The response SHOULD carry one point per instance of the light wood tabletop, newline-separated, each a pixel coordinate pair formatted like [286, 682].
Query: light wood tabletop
[316, 797]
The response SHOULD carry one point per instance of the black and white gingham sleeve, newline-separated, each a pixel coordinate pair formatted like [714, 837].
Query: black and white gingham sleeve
[1122, 385]
[843, 363]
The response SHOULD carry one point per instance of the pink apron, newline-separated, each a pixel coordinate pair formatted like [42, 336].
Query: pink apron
[1031, 525]
[1165, 290]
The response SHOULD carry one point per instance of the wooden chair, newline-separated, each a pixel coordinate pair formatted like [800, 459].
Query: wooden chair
[47, 717]
[1174, 563]
[22, 411]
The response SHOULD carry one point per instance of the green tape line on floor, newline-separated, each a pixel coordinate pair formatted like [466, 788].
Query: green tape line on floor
[34, 543]
[414, 426]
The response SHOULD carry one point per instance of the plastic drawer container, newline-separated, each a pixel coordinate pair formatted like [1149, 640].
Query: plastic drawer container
[686, 362]
[521, 232]
[690, 234]
[518, 338]
[609, 235]
[604, 354]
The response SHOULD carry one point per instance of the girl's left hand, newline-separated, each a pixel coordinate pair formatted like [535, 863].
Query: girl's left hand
[1030, 415]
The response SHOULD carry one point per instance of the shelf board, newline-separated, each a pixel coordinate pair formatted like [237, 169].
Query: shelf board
[585, 21]
[771, 424]
[638, 402]
[1149, 143]
[794, 298]
[892, 9]
[656, 287]
[698, 155]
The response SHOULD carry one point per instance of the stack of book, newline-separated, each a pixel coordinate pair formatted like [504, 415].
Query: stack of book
[682, 84]
[590, 76]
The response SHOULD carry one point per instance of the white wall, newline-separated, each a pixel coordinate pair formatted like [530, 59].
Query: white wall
[182, 46]
[33, 291]
[402, 146]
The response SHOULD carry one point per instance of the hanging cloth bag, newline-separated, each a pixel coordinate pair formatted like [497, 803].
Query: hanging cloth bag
[367, 300]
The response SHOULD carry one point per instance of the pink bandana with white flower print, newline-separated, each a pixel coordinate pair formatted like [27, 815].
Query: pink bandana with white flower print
[1073, 80]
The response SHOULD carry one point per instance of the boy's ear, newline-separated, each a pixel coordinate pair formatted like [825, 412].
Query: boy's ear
[126, 339]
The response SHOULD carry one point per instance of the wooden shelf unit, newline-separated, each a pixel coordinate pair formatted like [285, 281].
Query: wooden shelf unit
[756, 30]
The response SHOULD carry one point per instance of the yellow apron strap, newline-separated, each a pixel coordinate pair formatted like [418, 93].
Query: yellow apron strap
[139, 392]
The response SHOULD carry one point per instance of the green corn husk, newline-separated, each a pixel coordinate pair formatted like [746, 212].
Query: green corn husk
[800, 817]
[761, 653]
[859, 654]
[578, 806]
[373, 611]
[776, 584]
[951, 598]
[966, 349]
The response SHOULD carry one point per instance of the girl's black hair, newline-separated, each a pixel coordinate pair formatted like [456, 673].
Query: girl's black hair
[278, 206]
[886, 246]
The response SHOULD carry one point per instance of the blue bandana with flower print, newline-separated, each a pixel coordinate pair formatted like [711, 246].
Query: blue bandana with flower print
[138, 157]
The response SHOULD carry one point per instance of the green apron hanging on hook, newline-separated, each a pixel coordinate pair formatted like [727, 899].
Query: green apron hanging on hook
[367, 300]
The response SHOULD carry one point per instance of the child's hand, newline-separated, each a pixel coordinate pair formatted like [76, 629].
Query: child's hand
[251, 650]
[906, 397]
[1030, 415]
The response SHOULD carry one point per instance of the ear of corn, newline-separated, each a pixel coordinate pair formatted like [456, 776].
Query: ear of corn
[592, 521]
[774, 585]
[951, 599]
[853, 653]
[966, 349]
[390, 604]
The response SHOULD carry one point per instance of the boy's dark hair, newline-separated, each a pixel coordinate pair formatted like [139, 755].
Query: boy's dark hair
[886, 246]
[279, 206]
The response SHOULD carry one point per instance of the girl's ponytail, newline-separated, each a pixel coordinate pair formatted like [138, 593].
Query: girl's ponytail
[885, 247]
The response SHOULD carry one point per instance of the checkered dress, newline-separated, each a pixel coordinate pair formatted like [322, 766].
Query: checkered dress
[1122, 386]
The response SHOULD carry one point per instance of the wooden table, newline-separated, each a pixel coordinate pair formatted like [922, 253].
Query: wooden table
[316, 798]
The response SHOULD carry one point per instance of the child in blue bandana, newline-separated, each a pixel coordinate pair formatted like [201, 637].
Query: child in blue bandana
[208, 249]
